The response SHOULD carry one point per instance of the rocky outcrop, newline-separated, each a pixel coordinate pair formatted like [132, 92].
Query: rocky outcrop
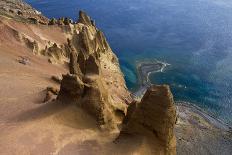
[19, 10]
[96, 101]
[31, 44]
[90, 67]
[154, 116]
[71, 89]
[55, 53]
[84, 19]
[94, 82]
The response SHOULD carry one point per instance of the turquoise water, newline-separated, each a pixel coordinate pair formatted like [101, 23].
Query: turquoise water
[194, 36]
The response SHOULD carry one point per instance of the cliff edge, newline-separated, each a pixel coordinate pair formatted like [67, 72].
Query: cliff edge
[64, 92]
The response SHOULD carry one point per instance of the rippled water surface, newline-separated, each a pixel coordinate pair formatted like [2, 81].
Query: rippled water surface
[194, 36]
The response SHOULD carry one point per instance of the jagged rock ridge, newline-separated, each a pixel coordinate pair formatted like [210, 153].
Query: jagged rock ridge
[21, 11]
[92, 65]
[95, 81]
[154, 117]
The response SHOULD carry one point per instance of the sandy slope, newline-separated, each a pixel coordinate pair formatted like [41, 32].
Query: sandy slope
[29, 126]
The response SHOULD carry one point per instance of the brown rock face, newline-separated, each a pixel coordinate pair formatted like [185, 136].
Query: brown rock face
[71, 89]
[74, 66]
[86, 45]
[81, 61]
[101, 40]
[154, 115]
[84, 18]
[90, 67]
[55, 53]
[96, 101]
[21, 11]
[33, 45]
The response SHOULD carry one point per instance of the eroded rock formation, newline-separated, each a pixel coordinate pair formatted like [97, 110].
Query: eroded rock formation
[91, 67]
[84, 19]
[154, 117]
[71, 88]
[21, 11]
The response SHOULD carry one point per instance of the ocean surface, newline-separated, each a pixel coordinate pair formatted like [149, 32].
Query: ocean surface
[193, 36]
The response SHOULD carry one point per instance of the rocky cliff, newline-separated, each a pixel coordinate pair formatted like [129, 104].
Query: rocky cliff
[91, 94]
[95, 81]
[153, 118]
[21, 11]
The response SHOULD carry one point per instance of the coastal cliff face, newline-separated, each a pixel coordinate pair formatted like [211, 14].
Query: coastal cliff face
[90, 95]
[154, 118]
[21, 11]
[94, 70]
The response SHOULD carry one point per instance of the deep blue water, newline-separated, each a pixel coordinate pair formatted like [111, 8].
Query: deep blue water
[194, 36]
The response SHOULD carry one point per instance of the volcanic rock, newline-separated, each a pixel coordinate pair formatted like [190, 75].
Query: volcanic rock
[89, 53]
[71, 89]
[92, 66]
[48, 97]
[73, 63]
[57, 79]
[84, 18]
[154, 115]
[52, 21]
[53, 90]
[56, 54]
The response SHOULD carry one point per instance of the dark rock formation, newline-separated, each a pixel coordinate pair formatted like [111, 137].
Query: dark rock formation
[52, 21]
[81, 61]
[21, 11]
[130, 110]
[95, 101]
[73, 65]
[84, 18]
[86, 45]
[71, 89]
[101, 40]
[92, 66]
[154, 115]
[66, 21]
